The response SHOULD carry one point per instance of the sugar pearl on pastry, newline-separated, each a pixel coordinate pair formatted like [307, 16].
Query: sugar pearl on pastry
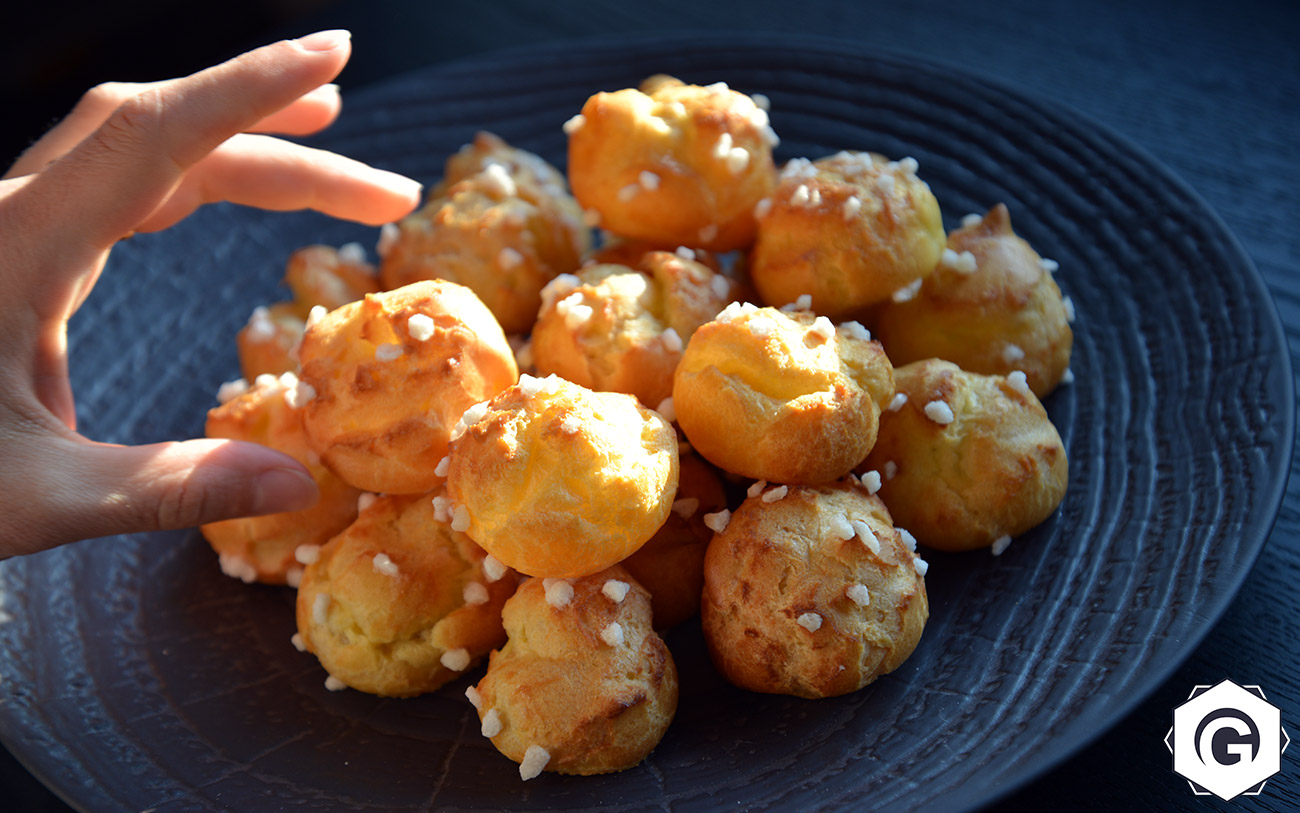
[686, 507]
[1001, 544]
[858, 594]
[472, 695]
[491, 725]
[717, 521]
[455, 659]
[776, 494]
[559, 592]
[474, 594]
[383, 564]
[615, 590]
[810, 621]
[842, 527]
[939, 412]
[297, 642]
[420, 326]
[612, 634]
[908, 539]
[320, 608]
[871, 480]
[535, 759]
[333, 684]
[868, 536]
[306, 554]
[493, 568]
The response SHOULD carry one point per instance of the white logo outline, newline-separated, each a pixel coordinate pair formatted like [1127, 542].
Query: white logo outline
[1253, 750]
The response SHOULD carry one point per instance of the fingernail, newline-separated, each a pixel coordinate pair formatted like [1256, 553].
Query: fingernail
[280, 490]
[400, 184]
[325, 40]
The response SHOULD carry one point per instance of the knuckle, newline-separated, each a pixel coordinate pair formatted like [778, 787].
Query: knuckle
[103, 97]
[132, 125]
[181, 506]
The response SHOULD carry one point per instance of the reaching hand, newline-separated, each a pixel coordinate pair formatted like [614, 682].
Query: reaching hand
[136, 158]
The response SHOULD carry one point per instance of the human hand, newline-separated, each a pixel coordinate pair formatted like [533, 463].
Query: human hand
[138, 158]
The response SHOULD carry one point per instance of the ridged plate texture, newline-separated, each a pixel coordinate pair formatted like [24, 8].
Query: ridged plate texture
[135, 676]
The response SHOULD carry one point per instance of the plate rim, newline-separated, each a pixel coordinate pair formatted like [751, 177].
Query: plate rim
[1255, 535]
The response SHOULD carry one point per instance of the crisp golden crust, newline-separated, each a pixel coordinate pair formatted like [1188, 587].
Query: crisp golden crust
[765, 394]
[615, 329]
[778, 611]
[1005, 315]
[504, 234]
[595, 705]
[849, 230]
[998, 469]
[323, 276]
[561, 481]
[383, 425]
[537, 181]
[390, 601]
[632, 252]
[261, 548]
[266, 343]
[671, 565]
[673, 164]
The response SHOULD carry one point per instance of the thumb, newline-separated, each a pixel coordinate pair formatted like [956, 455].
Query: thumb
[162, 486]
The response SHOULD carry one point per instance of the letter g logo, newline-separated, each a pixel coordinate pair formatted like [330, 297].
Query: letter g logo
[1213, 738]
[1227, 740]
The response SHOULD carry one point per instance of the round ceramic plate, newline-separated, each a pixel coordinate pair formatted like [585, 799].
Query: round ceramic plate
[135, 676]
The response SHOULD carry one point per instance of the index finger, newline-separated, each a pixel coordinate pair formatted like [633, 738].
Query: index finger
[135, 158]
[313, 111]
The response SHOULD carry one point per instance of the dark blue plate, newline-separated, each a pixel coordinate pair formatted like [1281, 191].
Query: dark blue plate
[135, 676]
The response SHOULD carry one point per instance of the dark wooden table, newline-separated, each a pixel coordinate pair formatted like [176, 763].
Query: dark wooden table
[1212, 90]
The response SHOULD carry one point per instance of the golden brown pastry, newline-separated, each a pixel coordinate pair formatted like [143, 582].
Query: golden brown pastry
[849, 230]
[966, 459]
[261, 548]
[390, 376]
[811, 591]
[328, 277]
[399, 603]
[990, 307]
[266, 344]
[616, 329]
[671, 565]
[673, 164]
[782, 396]
[537, 181]
[556, 480]
[502, 234]
[632, 253]
[584, 686]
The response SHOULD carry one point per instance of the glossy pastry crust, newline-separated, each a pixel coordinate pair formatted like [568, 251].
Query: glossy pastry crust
[596, 700]
[261, 548]
[995, 311]
[619, 329]
[399, 603]
[781, 396]
[996, 468]
[798, 600]
[673, 164]
[503, 228]
[392, 373]
[849, 230]
[557, 480]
